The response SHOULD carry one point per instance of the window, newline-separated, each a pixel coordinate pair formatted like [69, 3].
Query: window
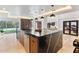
[9, 26]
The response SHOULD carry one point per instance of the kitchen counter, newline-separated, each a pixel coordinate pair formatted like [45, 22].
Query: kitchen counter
[41, 33]
[45, 41]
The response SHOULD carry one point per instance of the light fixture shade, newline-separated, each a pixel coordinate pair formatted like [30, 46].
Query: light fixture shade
[42, 17]
[36, 18]
[52, 15]
[52, 5]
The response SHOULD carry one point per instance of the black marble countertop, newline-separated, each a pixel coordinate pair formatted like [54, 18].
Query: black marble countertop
[42, 33]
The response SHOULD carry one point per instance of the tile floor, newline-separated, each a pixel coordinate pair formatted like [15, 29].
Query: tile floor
[67, 44]
[9, 44]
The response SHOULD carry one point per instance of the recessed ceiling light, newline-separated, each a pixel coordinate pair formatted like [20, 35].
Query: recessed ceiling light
[35, 11]
[56, 11]
[42, 9]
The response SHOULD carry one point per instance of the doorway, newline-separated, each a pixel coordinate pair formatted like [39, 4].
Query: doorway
[70, 27]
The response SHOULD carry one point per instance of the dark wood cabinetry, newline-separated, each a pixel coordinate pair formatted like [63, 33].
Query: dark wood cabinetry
[38, 44]
[33, 44]
[26, 24]
[45, 44]
[50, 43]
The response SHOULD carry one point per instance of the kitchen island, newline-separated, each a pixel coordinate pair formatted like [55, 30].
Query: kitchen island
[45, 41]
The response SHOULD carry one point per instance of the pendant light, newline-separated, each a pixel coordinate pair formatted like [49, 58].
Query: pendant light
[52, 15]
[36, 18]
[42, 17]
[52, 5]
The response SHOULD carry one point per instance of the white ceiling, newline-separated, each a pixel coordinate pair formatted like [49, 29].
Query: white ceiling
[33, 10]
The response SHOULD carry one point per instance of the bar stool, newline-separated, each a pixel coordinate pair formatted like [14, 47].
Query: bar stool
[76, 44]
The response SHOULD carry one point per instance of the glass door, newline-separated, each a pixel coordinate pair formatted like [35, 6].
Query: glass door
[74, 28]
[70, 27]
[66, 27]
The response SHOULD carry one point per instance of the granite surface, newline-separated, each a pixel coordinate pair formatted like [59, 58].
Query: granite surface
[42, 33]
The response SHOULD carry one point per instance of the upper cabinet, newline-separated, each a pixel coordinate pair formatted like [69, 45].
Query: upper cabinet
[26, 24]
[38, 25]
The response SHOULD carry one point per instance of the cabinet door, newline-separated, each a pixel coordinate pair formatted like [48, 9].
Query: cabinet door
[25, 24]
[33, 44]
[26, 43]
[22, 38]
[38, 25]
